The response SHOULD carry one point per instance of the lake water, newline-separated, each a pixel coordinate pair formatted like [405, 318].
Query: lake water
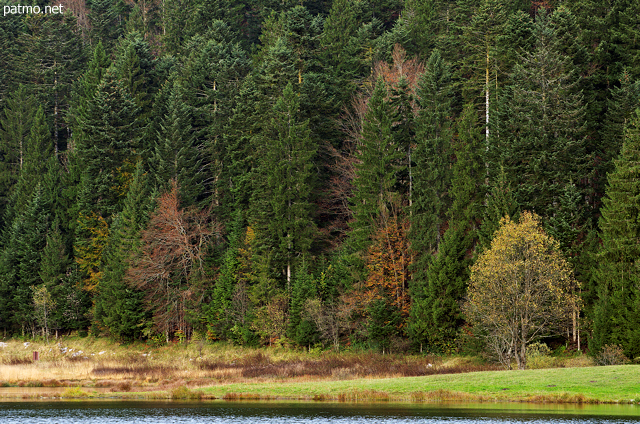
[219, 412]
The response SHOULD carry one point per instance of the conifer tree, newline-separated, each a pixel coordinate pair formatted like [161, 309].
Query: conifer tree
[176, 156]
[281, 202]
[37, 150]
[21, 259]
[135, 68]
[108, 143]
[543, 149]
[616, 319]
[438, 315]
[15, 127]
[622, 103]
[54, 57]
[219, 311]
[119, 305]
[211, 82]
[300, 329]
[500, 203]
[432, 155]
[378, 155]
[107, 19]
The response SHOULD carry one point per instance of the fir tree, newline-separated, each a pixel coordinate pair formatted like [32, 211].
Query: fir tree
[543, 149]
[304, 287]
[176, 155]
[220, 309]
[15, 127]
[119, 305]
[616, 319]
[281, 203]
[378, 156]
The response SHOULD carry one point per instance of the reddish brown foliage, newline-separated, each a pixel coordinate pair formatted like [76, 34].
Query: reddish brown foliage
[388, 263]
[171, 265]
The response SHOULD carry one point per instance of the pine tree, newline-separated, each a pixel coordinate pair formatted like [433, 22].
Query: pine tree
[616, 319]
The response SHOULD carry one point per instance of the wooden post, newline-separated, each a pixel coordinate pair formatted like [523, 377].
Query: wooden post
[36, 356]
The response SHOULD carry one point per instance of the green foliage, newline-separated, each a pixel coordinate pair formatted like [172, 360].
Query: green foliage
[375, 198]
[544, 149]
[615, 316]
[281, 201]
[118, 303]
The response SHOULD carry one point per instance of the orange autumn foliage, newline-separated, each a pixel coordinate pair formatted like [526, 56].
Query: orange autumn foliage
[388, 261]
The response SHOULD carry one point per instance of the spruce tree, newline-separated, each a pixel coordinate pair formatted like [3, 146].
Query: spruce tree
[623, 101]
[616, 319]
[543, 148]
[281, 203]
[22, 257]
[300, 329]
[219, 310]
[15, 127]
[176, 156]
[431, 183]
[378, 158]
[118, 305]
[37, 150]
[500, 202]
[438, 314]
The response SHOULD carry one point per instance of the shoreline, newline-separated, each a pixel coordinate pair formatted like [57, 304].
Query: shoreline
[95, 368]
[618, 386]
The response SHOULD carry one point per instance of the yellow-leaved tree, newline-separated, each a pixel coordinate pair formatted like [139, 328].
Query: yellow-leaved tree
[520, 289]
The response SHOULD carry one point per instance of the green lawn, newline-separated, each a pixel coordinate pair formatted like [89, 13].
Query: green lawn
[590, 384]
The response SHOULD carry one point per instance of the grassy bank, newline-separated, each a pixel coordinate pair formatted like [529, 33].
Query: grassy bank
[575, 385]
[98, 368]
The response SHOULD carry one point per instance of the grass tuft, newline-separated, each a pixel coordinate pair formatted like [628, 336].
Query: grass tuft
[74, 392]
[184, 392]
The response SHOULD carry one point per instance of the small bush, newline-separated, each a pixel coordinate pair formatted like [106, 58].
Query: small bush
[538, 356]
[74, 392]
[184, 392]
[611, 355]
[125, 386]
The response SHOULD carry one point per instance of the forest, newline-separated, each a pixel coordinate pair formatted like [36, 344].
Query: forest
[313, 173]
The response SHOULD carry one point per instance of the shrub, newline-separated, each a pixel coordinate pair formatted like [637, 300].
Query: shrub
[538, 356]
[184, 392]
[611, 355]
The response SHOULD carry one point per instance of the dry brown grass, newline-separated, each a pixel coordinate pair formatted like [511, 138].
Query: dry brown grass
[138, 367]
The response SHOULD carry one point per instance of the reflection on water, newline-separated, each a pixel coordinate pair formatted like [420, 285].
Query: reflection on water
[90, 412]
